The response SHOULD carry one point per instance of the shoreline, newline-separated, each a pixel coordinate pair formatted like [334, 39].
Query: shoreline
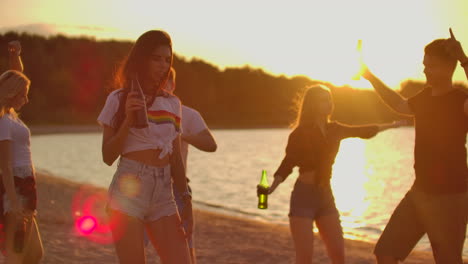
[62, 129]
[219, 238]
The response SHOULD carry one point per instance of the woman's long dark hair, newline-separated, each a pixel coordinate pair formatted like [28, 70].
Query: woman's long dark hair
[307, 111]
[135, 64]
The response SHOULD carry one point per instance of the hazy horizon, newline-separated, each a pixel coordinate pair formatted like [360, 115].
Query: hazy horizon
[312, 38]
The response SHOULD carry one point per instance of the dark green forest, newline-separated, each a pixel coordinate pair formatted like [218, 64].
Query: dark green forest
[71, 78]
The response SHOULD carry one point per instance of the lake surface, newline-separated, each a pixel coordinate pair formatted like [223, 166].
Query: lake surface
[370, 177]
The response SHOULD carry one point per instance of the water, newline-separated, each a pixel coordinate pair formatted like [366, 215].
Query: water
[370, 177]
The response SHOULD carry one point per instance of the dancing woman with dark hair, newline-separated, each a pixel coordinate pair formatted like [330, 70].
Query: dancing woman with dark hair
[140, 195]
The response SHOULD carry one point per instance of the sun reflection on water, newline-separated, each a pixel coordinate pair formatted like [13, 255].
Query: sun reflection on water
[349, 179]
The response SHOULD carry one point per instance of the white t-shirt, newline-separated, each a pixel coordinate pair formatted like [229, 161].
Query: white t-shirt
[14, 130]
[193, 123]
[164, 123]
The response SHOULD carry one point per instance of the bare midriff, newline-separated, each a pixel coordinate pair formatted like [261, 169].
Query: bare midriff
[148, 157]
[308, 177]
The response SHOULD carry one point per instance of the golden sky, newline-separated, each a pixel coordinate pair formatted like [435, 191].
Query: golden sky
[312, 37]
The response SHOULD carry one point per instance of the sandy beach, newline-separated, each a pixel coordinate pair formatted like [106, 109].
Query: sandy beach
[219, 238]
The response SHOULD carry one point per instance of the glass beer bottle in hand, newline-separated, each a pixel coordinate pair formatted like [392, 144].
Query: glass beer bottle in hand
[141, 117]
[262, 191]
[19, 237]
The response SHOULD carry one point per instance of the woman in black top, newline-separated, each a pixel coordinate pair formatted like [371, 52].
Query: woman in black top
[312, 146]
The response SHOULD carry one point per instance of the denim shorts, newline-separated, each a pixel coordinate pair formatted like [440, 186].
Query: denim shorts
[442, 217]
[311, 201]
[25, 186]
[142, 191]
[181, 208]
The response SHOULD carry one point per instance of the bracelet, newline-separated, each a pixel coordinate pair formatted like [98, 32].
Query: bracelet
[464, 64]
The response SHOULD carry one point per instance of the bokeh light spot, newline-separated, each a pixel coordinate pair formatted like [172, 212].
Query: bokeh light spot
[130, 185]
[86, 224]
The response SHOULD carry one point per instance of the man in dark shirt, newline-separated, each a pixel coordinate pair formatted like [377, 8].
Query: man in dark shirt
[437, 203]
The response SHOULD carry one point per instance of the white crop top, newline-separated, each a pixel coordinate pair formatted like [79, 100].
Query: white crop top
[13, 129]
[164, 117]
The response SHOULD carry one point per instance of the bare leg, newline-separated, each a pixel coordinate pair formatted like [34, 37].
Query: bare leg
[193, 256]
[128, 238]
[332, 235]
[34, 250]
[303, 237]
[167, 236]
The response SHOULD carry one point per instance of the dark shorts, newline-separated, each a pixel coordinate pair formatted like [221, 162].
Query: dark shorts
[181, 208]
[442, 217]
[311, 201]
[25, 185]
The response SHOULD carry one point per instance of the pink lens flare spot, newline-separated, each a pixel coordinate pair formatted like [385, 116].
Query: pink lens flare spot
[86, 224]
[90, 212]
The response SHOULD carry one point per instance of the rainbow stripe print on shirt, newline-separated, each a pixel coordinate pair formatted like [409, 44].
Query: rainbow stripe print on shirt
[164, 117]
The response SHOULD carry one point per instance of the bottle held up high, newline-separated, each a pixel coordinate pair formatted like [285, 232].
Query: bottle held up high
[141, 117]
[262, 191]
[360, 60]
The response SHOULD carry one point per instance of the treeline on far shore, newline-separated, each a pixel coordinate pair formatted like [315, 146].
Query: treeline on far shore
[71, 78]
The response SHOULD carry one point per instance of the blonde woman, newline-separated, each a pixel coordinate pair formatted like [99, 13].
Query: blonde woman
[312, 146]
[17, 187]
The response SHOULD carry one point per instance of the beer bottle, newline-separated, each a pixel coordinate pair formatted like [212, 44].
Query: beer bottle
[20, 232]
[141, 118]
[262, 191]
[360, 60]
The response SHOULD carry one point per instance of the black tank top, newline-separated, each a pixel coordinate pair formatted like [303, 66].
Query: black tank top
[439, 151]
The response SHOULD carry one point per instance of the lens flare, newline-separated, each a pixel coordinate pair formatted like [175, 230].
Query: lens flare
[130, 185]
[86, 224]
[91, 219]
